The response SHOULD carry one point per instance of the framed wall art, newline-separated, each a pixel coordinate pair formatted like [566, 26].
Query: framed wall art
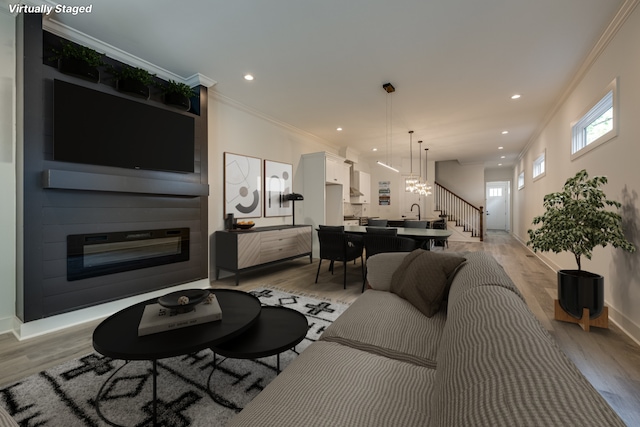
[278, 182]
[242, 186]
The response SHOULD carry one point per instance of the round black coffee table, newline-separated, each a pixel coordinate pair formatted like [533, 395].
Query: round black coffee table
[117, 336]
[276, 330]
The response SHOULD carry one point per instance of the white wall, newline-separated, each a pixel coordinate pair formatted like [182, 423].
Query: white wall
[617, 159]
[237, 129]
[7, 170]
[467, 181]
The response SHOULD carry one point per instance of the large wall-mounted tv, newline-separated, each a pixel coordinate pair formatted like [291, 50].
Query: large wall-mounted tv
[98, 128]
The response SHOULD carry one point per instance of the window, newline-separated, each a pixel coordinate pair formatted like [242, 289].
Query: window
[521, 181]
[597, 126]
[495, 192]
[538, 167]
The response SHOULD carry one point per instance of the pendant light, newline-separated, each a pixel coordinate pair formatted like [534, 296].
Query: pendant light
[388, 87]
[411, 181]
[424, 189]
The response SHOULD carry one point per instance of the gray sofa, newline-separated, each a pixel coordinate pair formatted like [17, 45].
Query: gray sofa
[482, 360]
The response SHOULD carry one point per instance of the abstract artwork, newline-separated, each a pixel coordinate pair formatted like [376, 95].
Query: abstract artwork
[242, 186]
[278, 182]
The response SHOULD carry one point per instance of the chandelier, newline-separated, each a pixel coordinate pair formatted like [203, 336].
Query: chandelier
[411, 181]
[422, 187]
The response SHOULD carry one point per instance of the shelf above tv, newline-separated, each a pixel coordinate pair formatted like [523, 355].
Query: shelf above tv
[87, 181]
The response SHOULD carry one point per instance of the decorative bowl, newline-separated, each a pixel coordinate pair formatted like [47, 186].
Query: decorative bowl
[176, 300]
[244, 226]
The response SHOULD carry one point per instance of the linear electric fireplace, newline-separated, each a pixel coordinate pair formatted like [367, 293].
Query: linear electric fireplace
[91, 255]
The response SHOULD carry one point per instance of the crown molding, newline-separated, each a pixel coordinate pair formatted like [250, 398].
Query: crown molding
[256, 113]
[54, 26]
[625, 10]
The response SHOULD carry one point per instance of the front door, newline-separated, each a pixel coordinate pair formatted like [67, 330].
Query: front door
[498, 205]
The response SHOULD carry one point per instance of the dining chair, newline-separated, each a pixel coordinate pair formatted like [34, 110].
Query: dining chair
[440, 224]
[412, 223]
[389, 231]
[377, 222]
[336, 245]
[375, 243]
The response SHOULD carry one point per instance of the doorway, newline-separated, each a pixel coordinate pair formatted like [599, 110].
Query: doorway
[497, 212]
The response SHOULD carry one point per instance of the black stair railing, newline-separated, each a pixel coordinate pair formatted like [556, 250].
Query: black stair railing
[455, 208]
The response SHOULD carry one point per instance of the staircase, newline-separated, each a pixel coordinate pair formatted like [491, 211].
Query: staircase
[463, 218]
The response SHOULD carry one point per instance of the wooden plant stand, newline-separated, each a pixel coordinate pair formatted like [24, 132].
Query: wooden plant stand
[601, 321]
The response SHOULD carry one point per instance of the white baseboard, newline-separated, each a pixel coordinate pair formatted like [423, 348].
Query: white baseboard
[50, 324]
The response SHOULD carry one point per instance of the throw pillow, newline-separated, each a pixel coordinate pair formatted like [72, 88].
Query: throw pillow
[423, 279]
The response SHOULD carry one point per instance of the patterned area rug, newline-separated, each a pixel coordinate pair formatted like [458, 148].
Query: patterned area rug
[65, 396]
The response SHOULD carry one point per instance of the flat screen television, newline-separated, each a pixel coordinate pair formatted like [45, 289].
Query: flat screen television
[98, 128]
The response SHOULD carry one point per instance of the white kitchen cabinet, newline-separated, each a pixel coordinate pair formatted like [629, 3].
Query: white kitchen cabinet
[334, 170]
[346, 190]
[361, 181]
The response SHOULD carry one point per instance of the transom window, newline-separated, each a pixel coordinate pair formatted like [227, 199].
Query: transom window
[539, 167]
[597, 126]
[521, 180]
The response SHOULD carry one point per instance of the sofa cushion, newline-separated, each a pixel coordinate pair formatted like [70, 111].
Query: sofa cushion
[498, 366]
[333, 385]
[385, 324]
[6, 420]
[423, 279]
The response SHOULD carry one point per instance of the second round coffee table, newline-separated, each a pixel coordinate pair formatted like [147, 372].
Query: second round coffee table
[277, 329]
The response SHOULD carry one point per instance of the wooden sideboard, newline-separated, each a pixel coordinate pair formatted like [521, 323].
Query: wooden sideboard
[241, 250]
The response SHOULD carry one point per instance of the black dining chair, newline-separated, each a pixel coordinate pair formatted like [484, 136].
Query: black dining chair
[440, 224]
[383, 230]
[412, 223]
[336, 245]
[375, 243]
[377, 222]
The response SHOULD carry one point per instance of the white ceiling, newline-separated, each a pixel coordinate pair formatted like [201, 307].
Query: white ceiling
[321, 64]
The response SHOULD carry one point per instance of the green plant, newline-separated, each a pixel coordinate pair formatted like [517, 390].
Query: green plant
[177, 88]
[81, 53]
[133, 73]
[577, 220]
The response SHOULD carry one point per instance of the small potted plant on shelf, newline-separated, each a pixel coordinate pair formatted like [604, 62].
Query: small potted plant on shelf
[178, 94]
[577, 220]
[79, 61]
[132, 80]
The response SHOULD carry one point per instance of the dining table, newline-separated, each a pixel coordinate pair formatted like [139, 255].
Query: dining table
[423, 235]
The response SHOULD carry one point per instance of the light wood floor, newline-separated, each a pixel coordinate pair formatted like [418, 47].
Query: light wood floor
[607, 357]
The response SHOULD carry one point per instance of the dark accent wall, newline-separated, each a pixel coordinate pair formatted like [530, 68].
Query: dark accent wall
[60, 199]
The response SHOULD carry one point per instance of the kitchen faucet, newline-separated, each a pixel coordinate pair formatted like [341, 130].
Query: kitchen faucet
[415, 204]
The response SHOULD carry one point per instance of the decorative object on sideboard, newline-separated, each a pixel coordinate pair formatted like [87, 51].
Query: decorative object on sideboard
[79, 61]
[577, 220]
[293, 197]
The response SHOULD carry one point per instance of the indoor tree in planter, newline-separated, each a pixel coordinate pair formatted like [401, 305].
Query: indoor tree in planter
[577, 220]
[79, 61]
[178, 94]
[134, 81]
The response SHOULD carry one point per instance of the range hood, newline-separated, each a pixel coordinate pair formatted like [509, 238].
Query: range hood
[354, 192]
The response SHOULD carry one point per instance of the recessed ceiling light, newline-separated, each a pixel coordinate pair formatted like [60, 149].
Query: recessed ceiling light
[500, 148]
[248, 77]
[499, 164]
[503, 157]
[338, 129]
[375, 149]
[516, 96]
[504, 132]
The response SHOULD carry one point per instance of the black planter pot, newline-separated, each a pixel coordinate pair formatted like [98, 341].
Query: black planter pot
[133, 88]
[578, 289]
[80, 69]
[177, 100]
